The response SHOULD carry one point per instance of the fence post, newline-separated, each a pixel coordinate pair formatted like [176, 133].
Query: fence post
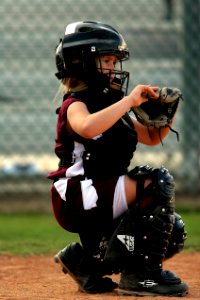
[191, 92]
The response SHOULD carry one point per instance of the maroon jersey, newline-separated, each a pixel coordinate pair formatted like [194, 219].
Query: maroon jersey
[84, 183]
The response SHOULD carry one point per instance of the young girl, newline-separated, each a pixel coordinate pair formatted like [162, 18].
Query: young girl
[93, 191]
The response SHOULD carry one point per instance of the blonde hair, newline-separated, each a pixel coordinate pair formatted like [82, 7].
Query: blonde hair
[69, 85]
[73, 85]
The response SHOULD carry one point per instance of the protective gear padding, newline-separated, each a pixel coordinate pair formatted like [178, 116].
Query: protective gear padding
[142, 238]
[178, 237]
[162, 187]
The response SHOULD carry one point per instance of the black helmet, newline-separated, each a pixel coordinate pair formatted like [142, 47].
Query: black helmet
[83, 42]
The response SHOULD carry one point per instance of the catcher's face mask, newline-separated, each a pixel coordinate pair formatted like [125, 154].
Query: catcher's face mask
[107, 64]
[110, 65]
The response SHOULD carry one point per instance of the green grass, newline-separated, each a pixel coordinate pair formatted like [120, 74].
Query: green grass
[34, 233]
[192, 226]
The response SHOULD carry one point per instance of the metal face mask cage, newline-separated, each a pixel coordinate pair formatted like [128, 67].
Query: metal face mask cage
[121, 78]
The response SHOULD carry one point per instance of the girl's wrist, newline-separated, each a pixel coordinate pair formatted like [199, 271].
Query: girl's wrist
[129, 101]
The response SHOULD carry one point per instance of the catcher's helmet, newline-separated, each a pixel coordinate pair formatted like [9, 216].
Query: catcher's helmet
[82, 44]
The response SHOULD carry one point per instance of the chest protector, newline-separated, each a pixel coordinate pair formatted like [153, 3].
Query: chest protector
[109, 153]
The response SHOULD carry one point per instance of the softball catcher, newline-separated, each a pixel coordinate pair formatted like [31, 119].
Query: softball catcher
[125, 219]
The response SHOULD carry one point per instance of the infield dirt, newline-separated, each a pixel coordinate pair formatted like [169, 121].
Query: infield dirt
[39, 278]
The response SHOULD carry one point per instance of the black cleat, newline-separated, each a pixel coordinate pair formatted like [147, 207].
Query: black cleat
[84, 270]
[167, 285]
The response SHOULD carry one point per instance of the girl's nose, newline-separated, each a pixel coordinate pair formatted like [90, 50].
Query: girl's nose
[112, 66]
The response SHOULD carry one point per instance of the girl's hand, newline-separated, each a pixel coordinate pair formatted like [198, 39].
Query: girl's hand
[140, 94]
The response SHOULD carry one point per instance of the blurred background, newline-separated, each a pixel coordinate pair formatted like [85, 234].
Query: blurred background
[163, 38]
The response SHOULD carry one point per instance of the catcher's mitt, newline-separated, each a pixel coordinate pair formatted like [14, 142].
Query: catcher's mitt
[159, 112]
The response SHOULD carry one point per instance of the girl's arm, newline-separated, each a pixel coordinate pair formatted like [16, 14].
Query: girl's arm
[90, 125]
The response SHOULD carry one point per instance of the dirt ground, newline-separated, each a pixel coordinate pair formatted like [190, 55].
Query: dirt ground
[39, 278]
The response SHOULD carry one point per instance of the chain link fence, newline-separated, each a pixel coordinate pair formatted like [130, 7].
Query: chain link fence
[163, 38]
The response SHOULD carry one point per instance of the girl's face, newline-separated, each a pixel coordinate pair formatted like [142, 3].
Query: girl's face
[107, 64]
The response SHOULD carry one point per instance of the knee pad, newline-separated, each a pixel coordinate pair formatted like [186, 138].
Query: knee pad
[162, 186]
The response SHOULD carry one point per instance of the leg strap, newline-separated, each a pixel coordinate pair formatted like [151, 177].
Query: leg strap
[178, 237]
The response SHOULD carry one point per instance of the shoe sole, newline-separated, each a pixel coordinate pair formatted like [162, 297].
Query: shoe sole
[59, 261]
[67, 271]
[122, 292]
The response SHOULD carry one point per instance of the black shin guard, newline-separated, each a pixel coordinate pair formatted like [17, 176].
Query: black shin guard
[140, 242]
[145, 230]
[178, 237]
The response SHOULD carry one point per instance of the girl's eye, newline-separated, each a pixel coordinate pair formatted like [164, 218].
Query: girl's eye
[107, 61]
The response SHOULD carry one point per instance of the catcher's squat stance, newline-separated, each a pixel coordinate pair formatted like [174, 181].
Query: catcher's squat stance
[125, 219]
